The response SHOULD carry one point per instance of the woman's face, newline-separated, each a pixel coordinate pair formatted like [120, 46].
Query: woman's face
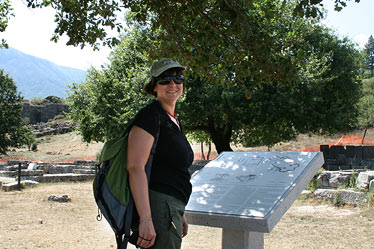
[169, 93]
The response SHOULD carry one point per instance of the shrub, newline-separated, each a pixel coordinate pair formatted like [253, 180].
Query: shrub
[34, 147]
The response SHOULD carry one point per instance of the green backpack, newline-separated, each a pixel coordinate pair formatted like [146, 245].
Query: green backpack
[111, 187]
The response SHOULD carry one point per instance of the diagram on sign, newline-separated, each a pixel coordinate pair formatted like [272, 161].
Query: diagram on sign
[248, 183]
[283, 163]
[253, 167]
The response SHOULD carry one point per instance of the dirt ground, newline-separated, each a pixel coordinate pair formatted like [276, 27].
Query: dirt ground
[69, 147]
[29, 220]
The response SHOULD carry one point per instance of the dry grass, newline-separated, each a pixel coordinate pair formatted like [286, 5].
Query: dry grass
[29, 220]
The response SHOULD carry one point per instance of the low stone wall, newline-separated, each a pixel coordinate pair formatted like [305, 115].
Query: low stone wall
[360, 179]
[45, 172]
[339, 157]
[42, 113]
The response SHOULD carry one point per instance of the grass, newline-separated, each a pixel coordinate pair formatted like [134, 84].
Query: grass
[29, 220]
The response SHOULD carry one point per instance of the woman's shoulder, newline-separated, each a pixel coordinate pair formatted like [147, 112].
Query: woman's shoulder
[148, 118]
[151, 110]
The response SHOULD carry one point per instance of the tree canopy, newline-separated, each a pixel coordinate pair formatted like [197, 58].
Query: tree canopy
[195, 29]
[6, 12]
[369, 55]
[321, 97]
[112, 95]
[12, 131]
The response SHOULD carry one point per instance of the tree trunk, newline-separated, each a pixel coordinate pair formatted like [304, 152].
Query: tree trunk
[202, 151]
[221, 138]
[209, 150]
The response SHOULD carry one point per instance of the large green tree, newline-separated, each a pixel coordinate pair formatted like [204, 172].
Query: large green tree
[112, 95]
[193, 30]
[12, 131]
[369, 55]
[321, 99]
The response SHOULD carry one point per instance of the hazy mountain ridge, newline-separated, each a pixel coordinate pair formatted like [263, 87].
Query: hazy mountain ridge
[36, 77]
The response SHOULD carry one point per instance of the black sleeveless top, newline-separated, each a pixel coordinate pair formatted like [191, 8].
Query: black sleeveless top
[173, 154]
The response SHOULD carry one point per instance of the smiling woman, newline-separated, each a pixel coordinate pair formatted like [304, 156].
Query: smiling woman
[160, 202]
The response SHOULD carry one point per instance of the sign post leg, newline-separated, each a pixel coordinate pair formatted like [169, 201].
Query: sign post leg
[241, 239]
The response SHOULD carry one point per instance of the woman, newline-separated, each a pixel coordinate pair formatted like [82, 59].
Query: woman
[160, 203]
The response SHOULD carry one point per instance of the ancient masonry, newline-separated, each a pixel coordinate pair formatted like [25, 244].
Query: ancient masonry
[330, 184]
[34, 173]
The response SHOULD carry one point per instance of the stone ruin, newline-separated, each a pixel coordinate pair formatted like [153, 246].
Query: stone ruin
[330, 184]
[53, 128]
[345, 186]
[34, 173]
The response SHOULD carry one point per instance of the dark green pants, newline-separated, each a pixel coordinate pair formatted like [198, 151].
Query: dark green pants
[167, 215]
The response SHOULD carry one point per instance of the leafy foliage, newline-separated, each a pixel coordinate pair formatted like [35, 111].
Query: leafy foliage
[369, 55]
[321, 98]
[12, 132]
[366, 104]
[6, 12]
[320, 93]
[195, 30]
[111, 97]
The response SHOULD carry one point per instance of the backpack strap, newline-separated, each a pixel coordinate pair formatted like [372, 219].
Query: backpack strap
[123, 237]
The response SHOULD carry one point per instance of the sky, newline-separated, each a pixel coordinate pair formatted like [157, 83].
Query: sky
[30, 32]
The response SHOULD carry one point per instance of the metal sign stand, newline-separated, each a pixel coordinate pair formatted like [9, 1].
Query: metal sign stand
[247, 193]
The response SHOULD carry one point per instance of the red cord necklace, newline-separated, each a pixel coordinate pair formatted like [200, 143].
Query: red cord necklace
[173, 115]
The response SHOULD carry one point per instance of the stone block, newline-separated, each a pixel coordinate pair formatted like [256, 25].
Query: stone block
[58, 169]
[351, 151]
[69, 177]
[5, 173]
[345, 196]
[86, 162]
[16, 162]
[83, 171]
[371, 186]
[338, 179]
[368, 152]
[32, 166]
[37, 172]
[364, 179]
[323, 179]
[336, 150]
[11, 186]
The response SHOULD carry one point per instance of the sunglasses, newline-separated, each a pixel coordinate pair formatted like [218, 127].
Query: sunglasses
[166, 80]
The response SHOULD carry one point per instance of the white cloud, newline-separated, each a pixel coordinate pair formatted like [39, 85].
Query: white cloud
[361, 39]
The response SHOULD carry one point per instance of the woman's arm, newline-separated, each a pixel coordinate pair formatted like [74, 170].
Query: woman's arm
[138, 150]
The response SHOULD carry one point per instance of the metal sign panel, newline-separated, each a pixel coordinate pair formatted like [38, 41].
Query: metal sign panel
[239, 187]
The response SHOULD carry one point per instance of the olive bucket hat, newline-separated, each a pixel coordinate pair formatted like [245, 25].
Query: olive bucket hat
[161, 66]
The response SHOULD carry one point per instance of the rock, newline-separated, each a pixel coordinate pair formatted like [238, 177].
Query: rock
[364, 179]
[32, 166]
[11, 186]
[344, 196]
[59, 198]
[333, 179]
[371, 186]
[339, 179]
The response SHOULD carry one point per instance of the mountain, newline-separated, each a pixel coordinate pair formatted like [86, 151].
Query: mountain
[36, 77]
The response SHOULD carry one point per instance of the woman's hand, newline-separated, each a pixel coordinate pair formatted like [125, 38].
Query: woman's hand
[184, 227]
[147, 234]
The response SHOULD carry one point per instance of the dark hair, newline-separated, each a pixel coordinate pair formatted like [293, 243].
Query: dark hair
[150, 86]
